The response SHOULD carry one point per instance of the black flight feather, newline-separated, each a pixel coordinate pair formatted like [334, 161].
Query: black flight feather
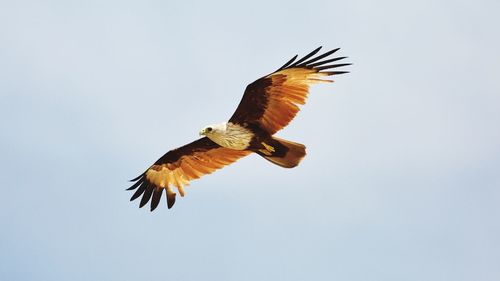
[335, 72]
[324, 62]
[297, 63]
[147, 195]
[136, 185]
[139, 191]
[170, 199]
[138, 177]
[288, 63]
[332, 66]
[156, 198]
[319, 57]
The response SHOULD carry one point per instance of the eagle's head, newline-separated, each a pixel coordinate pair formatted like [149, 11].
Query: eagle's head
[213, 129]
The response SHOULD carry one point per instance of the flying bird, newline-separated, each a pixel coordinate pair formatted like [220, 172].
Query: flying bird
[267, 106]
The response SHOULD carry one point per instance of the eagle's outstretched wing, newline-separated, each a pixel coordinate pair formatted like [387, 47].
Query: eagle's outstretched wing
[178, 167]
[272, 101]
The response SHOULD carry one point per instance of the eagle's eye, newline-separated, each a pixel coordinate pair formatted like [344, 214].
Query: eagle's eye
[209, 129]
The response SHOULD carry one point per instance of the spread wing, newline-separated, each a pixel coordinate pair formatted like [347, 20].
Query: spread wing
[272, 101]
[178, 167]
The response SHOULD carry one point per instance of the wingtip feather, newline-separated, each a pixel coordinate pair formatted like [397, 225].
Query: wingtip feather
[288, 63]
[156, 198]
[147, 195]
[170, 199]
[315, 51]
[330, 66]
[138, 177]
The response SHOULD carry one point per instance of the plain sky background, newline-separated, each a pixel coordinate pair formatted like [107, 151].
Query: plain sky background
[401, 180]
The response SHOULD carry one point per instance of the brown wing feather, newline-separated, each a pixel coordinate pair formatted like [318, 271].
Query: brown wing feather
[180, 166]
[273, 101]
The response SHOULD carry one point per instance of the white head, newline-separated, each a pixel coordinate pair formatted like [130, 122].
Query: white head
[219, 129]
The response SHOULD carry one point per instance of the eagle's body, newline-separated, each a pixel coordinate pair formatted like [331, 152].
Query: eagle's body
[267, 106]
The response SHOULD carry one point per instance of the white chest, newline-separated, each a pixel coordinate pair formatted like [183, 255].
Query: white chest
[234, 137]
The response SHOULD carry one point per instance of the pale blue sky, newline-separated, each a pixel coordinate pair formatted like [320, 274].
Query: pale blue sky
[401, 180]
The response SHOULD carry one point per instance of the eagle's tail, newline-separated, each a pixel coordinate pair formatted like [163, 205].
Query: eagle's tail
[288, 157]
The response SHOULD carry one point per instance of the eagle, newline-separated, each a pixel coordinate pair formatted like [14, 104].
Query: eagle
[267, 106]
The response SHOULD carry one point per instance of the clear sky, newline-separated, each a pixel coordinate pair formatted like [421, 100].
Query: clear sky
[401, 180]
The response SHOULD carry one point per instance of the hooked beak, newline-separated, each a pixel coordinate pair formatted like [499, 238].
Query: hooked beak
[202, 132]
